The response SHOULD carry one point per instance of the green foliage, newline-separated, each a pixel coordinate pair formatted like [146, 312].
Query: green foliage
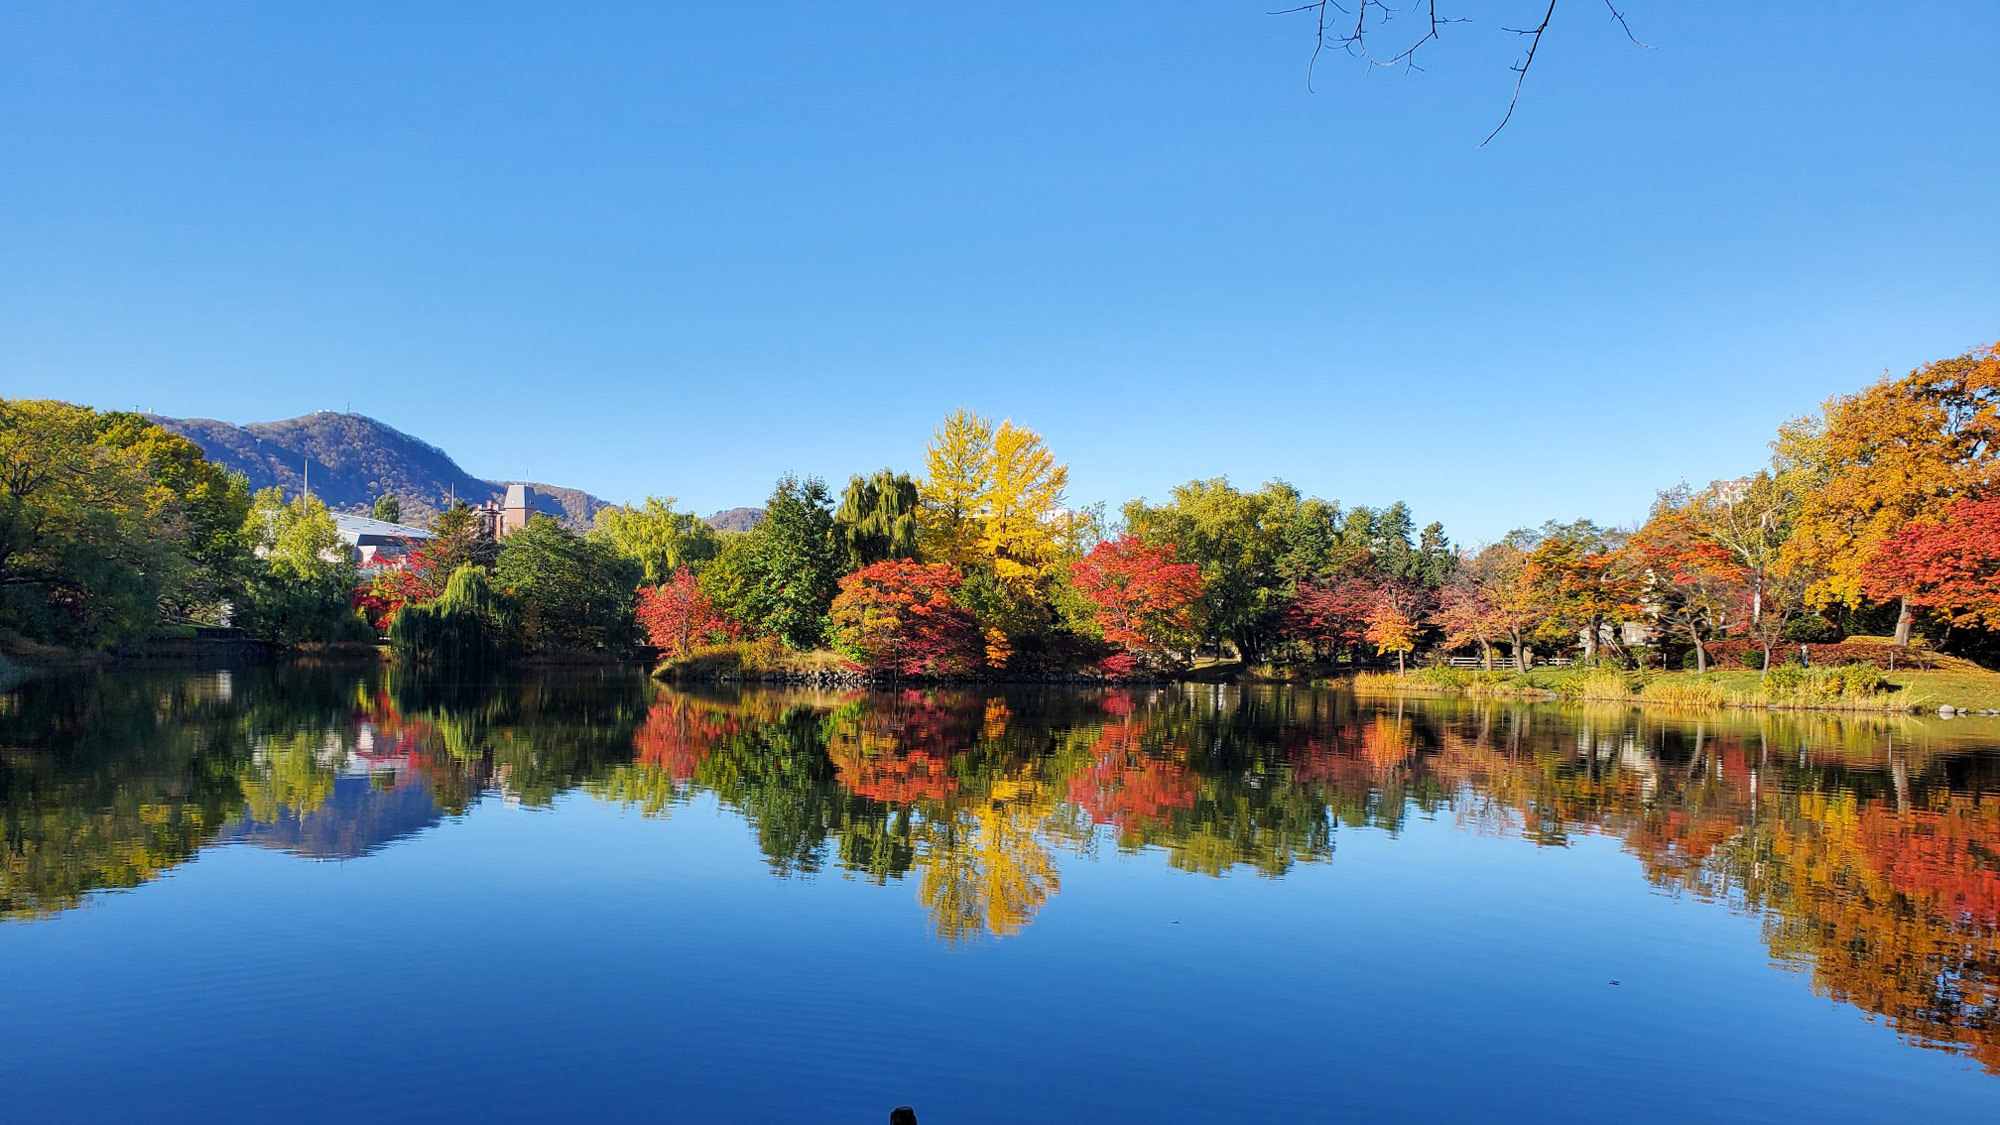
[108, 524]
[302, 589]
[1239, 540]
[465, 628]
[793, 565]
[459, 538]
[656, 538]
[1794, 683]
[569, 593]
[387, 508]
[877, 519]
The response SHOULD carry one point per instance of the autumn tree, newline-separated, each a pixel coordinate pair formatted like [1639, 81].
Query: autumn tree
[676, 615]
[1950, 564]
[655, 537]
[1491, 599]
[1695, 585]
[412, 577]
[993, 497]
[1898, 452]
[900, 616]
[1392, 629]
[1580, 581]
[958, 474]
[1021, 533]
[1144, 599]
[1330, 616]
[877, 518]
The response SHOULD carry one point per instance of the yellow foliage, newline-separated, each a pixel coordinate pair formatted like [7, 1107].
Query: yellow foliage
[993, 496]
[958, 476]
[1019, 535]
[1898, 451]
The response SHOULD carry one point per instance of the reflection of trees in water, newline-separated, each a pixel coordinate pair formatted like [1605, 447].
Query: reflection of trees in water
[1869, 847]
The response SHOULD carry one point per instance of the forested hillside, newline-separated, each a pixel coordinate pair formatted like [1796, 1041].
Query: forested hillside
[356, 459]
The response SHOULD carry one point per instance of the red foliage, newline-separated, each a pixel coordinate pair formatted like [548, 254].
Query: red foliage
[1119, 665]
[1145, 600]
[677, 616]
[1127, 788]
[900, 616]
[677, 734]
[1331, 616]
[1946, 856]
[1951, 565]
[415, 576]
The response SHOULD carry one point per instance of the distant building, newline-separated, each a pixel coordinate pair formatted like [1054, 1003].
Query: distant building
[377, 543]
[515, 512]
[498, 518]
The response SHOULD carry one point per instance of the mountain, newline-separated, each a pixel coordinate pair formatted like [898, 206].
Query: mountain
[355, 459]
[737, 519]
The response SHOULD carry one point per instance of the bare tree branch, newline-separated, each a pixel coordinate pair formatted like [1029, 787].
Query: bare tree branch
[1521, 71]
[1354, 39]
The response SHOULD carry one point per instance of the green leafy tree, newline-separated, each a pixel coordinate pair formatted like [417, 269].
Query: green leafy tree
[655, 537]
[877, 519]
[569, 593]
[387, 508]
[303, 590]
[464, 628]
[459, 537]
[107, 522]
[794, 564]
[1239, 540]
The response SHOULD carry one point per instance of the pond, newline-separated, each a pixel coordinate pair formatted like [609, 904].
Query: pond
[324, 894]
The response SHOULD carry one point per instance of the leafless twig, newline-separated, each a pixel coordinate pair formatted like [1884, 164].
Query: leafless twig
[1521, 69]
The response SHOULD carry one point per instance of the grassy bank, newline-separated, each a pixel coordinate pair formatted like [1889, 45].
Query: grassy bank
[1850, 687]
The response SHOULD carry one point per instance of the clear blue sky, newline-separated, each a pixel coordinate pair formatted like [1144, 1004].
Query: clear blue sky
[681, 249]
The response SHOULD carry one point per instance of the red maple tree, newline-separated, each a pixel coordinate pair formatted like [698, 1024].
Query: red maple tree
[1951, 565]
[1329, 617]
[414, 576]
[1144, 600]
[677, 616]
[901, 616]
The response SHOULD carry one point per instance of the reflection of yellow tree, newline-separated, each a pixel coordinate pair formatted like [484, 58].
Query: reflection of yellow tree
[292, 773]
[985, 866]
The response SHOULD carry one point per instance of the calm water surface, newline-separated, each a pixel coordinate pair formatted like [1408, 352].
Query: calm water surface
[317, 895]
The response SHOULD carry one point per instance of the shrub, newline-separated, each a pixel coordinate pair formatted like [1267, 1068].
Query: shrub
[1793, 683]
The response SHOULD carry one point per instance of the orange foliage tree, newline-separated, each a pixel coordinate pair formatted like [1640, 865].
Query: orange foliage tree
[901, 616]
[1895, 453]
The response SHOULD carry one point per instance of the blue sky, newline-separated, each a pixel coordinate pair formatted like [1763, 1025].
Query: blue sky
[680, 249]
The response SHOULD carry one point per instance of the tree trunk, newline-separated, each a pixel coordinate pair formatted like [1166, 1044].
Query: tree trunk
[1590, 639]
[1399, 662]
[1486, 653]
[1903, 624]
[1700, 653]
[1767, 658]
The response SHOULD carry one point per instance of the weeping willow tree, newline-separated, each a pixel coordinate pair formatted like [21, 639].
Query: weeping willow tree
[462, 628]
[877, 519]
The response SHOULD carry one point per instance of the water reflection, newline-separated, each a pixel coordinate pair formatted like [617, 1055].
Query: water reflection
[1868, 847]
